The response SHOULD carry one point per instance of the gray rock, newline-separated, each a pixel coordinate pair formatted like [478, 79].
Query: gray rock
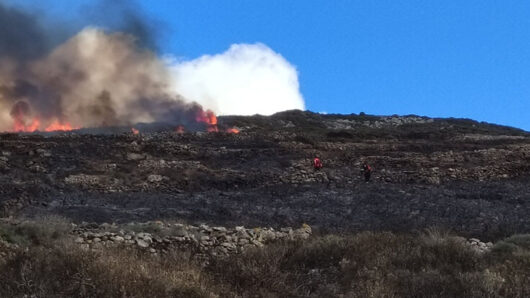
[205, 228]
[141, 243]
[229, 246]
[180, 232]
[135, 156]
[145, 236]
[82, 179]
[219, 229]
[242, 234]
[105, 225]
[267, 235]
[257, 243]
[155, 178]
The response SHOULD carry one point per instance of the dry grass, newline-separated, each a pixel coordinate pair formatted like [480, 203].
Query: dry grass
[434, 264]
[67, 271]
[375, 265]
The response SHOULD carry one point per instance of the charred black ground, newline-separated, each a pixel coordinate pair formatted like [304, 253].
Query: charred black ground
[459, 174]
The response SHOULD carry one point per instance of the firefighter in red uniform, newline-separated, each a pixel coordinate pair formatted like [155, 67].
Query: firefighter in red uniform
[317, 164]
[367, 171]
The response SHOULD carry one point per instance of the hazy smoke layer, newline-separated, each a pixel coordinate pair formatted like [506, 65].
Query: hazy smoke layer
[98, 78]
[94, 79]
[247, 79]
[20, 36]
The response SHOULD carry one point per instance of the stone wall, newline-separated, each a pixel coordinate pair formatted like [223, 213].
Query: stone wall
[164, 236]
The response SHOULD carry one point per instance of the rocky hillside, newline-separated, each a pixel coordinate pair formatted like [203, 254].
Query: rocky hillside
[460, 174]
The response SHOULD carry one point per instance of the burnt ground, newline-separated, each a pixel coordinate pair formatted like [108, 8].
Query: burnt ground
[470, 177]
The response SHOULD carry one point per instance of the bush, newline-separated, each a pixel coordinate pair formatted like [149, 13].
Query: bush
[517, 246]
[522, 241]
[44, 231]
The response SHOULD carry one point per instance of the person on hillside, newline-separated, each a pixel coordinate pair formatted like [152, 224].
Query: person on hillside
[367, 172]
[317, 164]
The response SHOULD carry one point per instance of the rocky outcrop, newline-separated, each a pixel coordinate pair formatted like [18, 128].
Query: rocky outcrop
[379, 122]
[479, 246]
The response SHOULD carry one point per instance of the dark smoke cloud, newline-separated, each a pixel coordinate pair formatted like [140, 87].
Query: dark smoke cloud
[104, 110]
[125, 16]
[21, 35]
[106, 74]
[27, 36]
[96, 78]
[20, 89]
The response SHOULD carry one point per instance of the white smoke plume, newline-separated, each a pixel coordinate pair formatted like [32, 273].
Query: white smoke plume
[246, 79]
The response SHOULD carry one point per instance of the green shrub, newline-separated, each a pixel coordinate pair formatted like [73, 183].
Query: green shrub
[522, 241]
[516, 244]
[42, 231]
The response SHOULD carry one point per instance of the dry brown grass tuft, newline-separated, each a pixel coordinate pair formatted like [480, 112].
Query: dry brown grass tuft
[68, 271]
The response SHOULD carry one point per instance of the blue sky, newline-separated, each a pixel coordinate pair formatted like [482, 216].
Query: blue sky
[436, 58]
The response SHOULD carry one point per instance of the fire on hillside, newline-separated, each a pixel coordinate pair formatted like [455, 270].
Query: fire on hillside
[96, 80]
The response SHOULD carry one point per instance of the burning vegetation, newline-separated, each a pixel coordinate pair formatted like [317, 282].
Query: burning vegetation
[95, 79]
[205, 121]
[24, 121]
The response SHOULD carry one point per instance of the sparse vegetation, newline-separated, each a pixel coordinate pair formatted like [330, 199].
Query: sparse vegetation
[466, 176]
[431, 264]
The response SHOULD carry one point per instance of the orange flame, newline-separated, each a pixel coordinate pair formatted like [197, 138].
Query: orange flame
[25, 121]
[232, 130]
[20, 126]
[22, 118]
[135, 131]
[35, 125]
[209, 118]
[58, 126]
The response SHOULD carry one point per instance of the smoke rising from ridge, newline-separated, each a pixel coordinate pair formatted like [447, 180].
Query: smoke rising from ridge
[103, 78]
[18, 31]
[246, 79]
[126, 17]
[95, 79]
